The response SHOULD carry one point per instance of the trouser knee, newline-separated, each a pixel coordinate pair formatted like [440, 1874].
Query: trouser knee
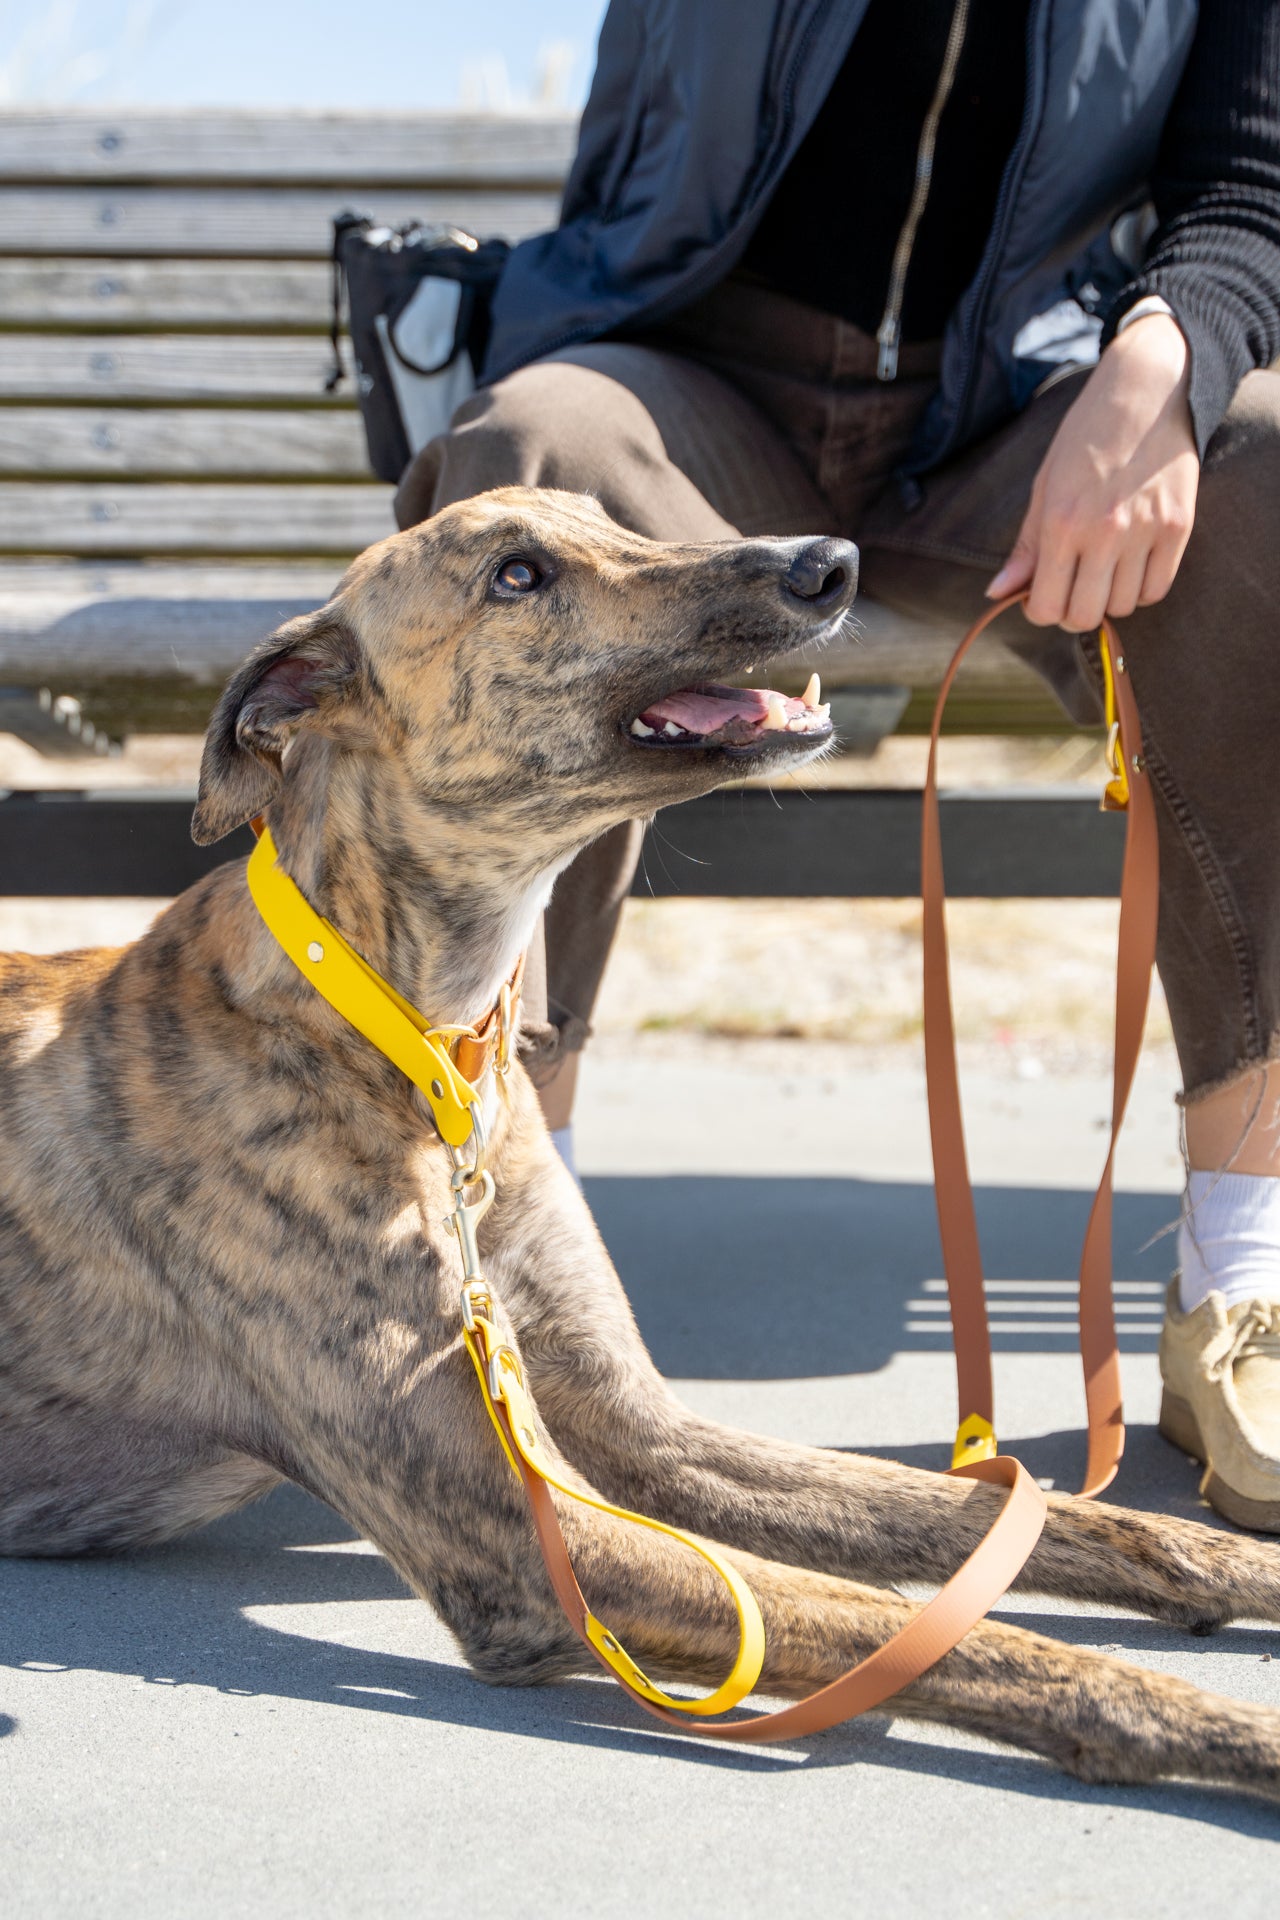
[558, 423]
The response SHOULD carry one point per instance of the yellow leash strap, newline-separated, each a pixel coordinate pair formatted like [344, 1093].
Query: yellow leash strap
[394, 1026]
[501, 1380]
[402, 1035]
[387, 1020]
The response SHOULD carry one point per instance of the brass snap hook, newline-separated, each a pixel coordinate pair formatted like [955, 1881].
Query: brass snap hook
[467, 1176]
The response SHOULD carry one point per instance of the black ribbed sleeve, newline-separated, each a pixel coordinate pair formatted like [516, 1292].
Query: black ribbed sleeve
[1215, 255]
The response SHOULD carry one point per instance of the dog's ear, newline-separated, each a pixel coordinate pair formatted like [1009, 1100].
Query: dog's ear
[304, 677]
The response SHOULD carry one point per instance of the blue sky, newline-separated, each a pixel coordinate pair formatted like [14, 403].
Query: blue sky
[319, 53]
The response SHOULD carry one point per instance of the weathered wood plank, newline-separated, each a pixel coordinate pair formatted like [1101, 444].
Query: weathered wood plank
[197, 442]
[93, 143]
[173, 367]
[81, 518]
[286, 224]
[74, 619]
[158, 294]
[73, 623]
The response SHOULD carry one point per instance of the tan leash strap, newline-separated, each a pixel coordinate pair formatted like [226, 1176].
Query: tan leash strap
[402, 1034]
[1130, 788]
[940, 1625]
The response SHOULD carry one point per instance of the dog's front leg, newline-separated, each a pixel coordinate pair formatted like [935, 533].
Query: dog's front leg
[416, 1466]
[614, 1416]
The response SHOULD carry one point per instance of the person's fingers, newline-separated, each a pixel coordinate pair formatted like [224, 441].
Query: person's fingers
[1015, 574]
[1161, 570]
[1090, 590]
[1053, 580]
[1166, 556]
[1127, 581]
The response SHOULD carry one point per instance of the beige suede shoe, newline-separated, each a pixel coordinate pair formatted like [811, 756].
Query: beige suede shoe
[1221, 1404]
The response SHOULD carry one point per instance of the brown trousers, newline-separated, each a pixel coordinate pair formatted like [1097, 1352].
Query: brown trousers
[751, 414]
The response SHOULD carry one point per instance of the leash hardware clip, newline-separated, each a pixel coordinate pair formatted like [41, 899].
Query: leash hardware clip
[477, 1302]
[466, 1217]
[497, 1392]
[975, 1440]
[1115, 795]
[467, 1176]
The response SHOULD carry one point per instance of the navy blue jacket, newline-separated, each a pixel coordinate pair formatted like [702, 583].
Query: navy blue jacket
[696, 108]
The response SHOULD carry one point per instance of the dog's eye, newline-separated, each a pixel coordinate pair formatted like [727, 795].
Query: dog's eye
[517, 576]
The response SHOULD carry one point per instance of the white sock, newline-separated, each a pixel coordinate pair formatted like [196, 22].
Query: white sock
[562, 1141]
[1229, 1240]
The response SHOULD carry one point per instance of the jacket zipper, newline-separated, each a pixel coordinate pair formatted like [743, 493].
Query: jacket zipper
[888, 333]
[980, 292]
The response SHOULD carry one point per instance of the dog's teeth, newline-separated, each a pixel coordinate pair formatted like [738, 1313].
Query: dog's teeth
[642, 732]
[775, 721]
[813, 692]
[672, 731]
[752, 667]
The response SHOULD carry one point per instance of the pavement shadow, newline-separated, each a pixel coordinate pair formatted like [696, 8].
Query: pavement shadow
[713, 1267]
[1155, 1477]
[709, 1265]
[176, 1616]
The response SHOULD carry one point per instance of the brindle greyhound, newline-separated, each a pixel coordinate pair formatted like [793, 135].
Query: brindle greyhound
[222, 1251]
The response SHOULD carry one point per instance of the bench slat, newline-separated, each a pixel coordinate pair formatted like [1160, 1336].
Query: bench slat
[292, 223]
[158, 294]
[60, 366]
[198, 442]
[142, 518]
[96, 143]
[76, 619]
[72, 623]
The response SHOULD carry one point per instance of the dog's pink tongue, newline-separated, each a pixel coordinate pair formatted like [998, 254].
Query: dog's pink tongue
[709, 708]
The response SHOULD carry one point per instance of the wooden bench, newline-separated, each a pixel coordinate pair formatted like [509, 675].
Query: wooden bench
[174, 477]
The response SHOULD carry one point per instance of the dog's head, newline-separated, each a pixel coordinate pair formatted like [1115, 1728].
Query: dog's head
[521, 658]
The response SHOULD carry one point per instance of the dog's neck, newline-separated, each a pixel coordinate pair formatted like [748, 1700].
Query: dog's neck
[442, 919]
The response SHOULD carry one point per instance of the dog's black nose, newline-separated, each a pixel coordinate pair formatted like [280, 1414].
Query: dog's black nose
[824, 572]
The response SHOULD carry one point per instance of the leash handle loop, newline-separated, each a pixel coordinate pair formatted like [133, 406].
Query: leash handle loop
[1129, 790]
[969, 1594]
[501, 1378]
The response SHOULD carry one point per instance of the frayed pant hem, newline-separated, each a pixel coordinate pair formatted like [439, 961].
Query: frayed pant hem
[1243, 1068]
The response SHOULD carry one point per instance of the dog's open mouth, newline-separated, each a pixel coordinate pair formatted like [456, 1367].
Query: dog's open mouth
[734, 717]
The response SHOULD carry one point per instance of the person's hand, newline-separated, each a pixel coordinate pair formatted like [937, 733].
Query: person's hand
[1114, 500]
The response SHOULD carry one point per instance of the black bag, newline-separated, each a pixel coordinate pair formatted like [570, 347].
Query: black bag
[418, 300]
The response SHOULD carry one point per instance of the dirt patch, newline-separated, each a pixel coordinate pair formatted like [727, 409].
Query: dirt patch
[1033, 979]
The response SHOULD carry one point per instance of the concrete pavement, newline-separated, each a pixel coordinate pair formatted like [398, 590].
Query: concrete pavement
[258, 1721]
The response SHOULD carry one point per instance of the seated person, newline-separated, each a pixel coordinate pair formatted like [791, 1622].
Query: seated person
[992, 289]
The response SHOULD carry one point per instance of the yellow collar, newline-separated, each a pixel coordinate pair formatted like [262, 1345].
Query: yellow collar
[374, 1008]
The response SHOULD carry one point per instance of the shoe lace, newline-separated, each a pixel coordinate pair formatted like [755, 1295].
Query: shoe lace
[1257, 1333]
